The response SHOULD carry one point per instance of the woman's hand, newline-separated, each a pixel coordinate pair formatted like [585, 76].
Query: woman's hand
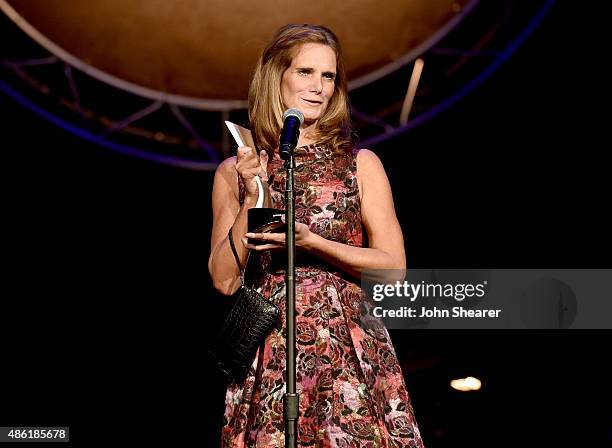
[249, 165]
[276, 241]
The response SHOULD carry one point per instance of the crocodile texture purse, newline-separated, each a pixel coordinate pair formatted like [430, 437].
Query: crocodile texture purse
[249, 322]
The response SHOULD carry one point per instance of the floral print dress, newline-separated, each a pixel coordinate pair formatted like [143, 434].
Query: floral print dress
[351, 388]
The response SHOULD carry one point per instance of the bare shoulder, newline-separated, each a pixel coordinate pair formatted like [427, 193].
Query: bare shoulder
[226, 176]
[227, 169]
[370, 172]
[228, 165]
[367, 161]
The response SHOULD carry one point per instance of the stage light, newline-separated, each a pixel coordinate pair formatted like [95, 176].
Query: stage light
[466, 384]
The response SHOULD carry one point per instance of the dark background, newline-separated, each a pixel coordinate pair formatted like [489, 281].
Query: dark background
[107, 303]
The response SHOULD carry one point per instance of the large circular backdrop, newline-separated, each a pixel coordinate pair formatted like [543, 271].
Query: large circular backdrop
[207, 48]
[157, 79]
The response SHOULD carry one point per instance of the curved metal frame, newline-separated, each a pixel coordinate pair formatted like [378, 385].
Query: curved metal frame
[186, 101]
[204, 103]
[174, 102]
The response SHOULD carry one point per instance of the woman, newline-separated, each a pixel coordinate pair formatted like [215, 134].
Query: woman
[352, 393]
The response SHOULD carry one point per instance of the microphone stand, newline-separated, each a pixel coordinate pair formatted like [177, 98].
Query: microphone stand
[291, 399]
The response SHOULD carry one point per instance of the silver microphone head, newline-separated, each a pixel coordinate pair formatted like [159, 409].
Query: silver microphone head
[296, 113]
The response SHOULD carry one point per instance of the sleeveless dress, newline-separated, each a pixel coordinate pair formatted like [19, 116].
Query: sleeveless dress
[351, 388]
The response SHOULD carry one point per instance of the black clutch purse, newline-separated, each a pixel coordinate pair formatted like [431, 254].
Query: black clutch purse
[249, 322]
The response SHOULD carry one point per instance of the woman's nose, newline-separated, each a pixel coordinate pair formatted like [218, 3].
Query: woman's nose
[317, 85]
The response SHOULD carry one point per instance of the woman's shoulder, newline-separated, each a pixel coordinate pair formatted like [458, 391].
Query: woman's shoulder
[225, 174]
[227, 169]
[369, 169]
[366, 159]
[227, 165]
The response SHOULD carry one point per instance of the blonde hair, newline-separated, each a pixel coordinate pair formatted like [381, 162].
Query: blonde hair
[265, 101]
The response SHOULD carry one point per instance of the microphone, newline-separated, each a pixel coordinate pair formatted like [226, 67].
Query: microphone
[292, 120]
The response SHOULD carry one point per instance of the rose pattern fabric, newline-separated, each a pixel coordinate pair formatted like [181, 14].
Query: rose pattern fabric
[352, 392]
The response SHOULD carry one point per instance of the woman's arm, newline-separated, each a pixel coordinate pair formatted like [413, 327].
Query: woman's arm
[228, 213]
[386, 243]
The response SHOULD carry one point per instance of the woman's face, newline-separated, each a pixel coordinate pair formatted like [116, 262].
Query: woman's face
[309, 83]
